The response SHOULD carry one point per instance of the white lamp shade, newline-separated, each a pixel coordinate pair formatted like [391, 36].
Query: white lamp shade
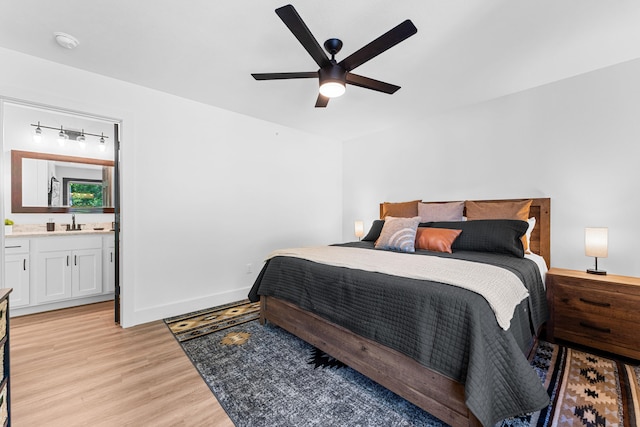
[596, 241]
[359, 228]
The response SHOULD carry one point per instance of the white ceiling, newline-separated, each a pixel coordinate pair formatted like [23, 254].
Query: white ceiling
[464, 52]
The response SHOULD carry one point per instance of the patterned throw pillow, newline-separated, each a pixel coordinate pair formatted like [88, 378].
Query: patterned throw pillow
[398, 234]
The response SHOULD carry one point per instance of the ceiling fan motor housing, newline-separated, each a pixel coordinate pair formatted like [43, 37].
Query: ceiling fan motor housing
[332, 73]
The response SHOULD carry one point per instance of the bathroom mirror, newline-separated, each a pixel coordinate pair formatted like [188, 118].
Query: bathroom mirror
[53, 183]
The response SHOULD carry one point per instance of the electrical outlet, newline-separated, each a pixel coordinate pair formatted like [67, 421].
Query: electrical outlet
[249, 268]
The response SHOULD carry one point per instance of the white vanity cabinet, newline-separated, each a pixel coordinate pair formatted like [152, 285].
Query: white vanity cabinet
[49, 271]
[67, 267]
[16, 271]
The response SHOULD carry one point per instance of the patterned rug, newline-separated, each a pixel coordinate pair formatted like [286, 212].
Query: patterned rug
[262, 375]
[204, 322]
[585, 390]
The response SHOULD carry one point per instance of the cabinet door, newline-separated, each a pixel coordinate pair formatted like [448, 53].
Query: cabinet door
[87, 272]
[109, 270]
[16, 276]
[53, 276]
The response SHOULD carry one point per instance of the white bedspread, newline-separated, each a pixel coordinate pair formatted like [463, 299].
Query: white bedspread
[502, 289]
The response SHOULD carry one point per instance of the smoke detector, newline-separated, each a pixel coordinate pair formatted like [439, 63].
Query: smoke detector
[65, 40]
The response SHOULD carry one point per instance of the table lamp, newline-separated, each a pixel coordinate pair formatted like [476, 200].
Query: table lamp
[359, 229]
[596, 245]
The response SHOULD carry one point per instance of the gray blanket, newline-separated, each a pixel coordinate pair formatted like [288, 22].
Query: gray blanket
[445, 328]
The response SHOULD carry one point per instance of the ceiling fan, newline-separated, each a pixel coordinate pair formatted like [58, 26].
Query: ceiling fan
[333, 75]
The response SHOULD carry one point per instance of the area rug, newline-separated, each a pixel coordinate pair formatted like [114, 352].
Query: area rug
[204, 322]
[264, 376]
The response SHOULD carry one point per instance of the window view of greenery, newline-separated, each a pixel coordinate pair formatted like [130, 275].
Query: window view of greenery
[85, 194]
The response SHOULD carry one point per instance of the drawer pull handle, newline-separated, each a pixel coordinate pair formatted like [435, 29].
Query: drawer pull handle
[598, 303]
[597, 328]
[13, 246]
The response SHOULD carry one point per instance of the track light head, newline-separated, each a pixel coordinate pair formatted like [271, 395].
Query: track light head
[37, 134]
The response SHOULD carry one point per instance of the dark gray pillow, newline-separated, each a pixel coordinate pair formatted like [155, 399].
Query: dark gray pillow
[486, 235]
[374, 231]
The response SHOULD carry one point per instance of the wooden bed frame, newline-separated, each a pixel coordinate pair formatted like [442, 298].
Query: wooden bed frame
[437, 394]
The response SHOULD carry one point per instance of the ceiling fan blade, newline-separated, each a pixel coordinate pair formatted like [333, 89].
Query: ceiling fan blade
[366, 82]
[379, 45]
[322, 101]
[279, 76]
[299, 29]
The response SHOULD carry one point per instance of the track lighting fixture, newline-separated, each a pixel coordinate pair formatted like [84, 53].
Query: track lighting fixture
[62, 137]
[82, 140]
[37, 135]
[67, 134]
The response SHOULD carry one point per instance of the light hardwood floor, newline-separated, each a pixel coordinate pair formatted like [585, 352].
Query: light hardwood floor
[75, 367]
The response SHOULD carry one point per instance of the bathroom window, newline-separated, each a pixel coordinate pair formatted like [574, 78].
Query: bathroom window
[83, 193]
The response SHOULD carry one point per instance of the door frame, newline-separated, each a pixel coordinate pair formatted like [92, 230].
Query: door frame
[117, 122]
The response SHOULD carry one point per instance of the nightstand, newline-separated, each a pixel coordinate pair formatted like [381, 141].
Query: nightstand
[602, 312]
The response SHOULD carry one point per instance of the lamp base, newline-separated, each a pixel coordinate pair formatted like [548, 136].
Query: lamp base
[599, 272]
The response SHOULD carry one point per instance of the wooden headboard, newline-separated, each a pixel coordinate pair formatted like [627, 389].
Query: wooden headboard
[540, 242]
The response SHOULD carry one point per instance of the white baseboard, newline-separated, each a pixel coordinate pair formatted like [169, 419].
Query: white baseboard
[186, 306]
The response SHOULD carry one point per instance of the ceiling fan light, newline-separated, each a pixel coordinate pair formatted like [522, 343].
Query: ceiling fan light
[332, 89]
[332, 81]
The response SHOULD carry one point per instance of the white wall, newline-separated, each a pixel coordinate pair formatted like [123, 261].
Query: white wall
[204, 191]
[18, 135]
[575, 141]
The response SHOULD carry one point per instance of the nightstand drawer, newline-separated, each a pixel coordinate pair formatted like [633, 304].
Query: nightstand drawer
[572, 298]
[596, 328]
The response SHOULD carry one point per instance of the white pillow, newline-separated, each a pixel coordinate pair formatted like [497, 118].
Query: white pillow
[532, 223]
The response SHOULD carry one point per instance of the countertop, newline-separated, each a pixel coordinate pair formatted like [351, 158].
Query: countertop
[27, 234]
[40, 230]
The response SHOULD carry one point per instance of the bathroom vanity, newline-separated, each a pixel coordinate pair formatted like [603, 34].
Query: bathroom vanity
[52, 270]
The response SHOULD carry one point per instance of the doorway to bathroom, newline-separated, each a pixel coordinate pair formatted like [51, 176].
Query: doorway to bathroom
[61, 205]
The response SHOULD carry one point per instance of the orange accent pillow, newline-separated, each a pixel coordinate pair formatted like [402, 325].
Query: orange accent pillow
[400, 210]
[436, 239]
[498, 210]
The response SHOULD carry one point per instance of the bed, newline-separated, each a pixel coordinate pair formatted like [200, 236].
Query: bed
[490, 362]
